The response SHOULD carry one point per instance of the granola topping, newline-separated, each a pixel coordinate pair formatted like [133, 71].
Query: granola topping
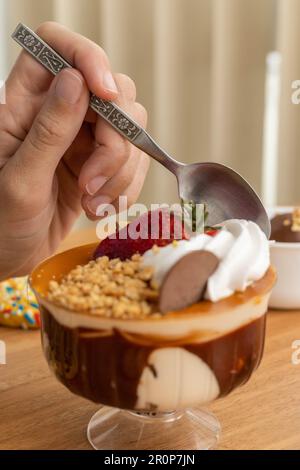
[109, 288]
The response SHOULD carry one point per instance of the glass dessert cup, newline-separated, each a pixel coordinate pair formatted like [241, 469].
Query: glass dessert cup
[152, 375]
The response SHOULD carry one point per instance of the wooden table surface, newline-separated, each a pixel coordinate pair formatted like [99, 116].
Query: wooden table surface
[36, 412]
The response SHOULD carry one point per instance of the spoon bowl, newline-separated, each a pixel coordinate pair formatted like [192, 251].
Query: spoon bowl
[224, 191]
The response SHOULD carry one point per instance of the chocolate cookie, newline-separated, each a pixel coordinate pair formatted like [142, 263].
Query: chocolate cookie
[185, 283]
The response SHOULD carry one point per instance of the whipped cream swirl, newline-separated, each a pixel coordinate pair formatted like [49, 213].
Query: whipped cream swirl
[241, 246]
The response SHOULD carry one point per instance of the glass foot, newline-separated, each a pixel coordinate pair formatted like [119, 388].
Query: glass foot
[190, 429]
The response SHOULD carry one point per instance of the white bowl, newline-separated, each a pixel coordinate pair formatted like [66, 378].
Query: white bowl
[285, 257]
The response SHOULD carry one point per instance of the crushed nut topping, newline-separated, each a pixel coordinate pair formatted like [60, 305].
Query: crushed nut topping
[108, 288]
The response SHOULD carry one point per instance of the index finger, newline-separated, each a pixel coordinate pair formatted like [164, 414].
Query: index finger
[80, 52]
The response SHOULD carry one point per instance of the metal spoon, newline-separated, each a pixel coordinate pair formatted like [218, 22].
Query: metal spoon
[222, 190]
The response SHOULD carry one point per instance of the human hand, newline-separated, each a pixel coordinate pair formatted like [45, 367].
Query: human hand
[56, 156]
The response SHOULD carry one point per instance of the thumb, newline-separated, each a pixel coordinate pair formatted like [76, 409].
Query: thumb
[55, 127]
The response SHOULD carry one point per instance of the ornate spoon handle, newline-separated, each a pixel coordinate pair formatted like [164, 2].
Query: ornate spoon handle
[50, 59]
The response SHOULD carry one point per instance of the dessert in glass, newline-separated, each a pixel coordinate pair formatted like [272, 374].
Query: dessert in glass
[285, 256]
[285, 225]
[153, 330]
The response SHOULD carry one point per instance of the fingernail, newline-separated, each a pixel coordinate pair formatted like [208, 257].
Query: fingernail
[69, 86]
[109, 82]
[98, 204]
[95, 184]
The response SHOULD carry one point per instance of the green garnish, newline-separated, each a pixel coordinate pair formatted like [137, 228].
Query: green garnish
[209, 227]
[195, 218]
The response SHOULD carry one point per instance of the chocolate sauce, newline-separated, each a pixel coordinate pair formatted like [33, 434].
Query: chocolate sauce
[282, 229]
[106, 368]
[235, 356]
